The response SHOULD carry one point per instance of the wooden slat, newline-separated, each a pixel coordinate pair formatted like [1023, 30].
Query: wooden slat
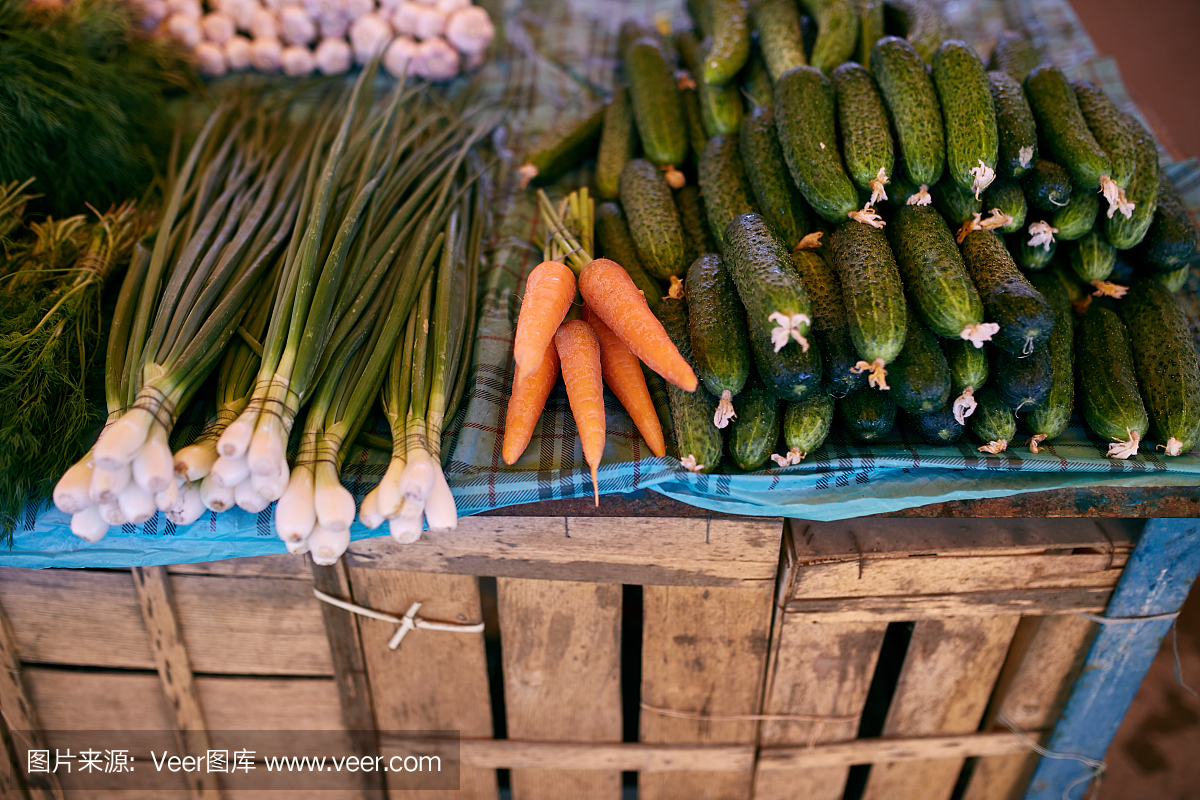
[561, 643]
[92, 618]
[1034, 602]
[842, 755]
[175, 673]
[1031, 698]
[947, 678]
[703, 651]
[435, 680]
[12, 787]
[647, 551]
[20, 720]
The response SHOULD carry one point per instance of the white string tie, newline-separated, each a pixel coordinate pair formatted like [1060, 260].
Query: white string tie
[410, 620]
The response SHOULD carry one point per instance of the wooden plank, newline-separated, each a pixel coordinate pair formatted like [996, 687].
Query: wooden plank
[703, 652]
[842, 755]
[947, 678]
[950, 606]
[283, 565]
[175, 673]
[647, 551]
[12, 787]
[561, 643]
[1156, 581]
[92, 618]
[1031, 698]
[21, 723]
[434, 680]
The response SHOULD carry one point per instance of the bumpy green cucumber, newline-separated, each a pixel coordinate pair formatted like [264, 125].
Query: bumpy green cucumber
[837, 32]
[1108, 126]
[730, 47]
[779, 36]
[697, 441]
[1022, 382]
[616, 243]
[791, 373]
[1126, 232]
[919, 377]
[972, 141]
[1093, 258]
[1174, 281]
[956, 203]
[1063, 129]
[657, 107]
[694, 119]
[724, 185]
[913, 102]
[1015, 127]
[756, 82]
[697, 238]
[830, 324]
[562, 148]
[934, 274]
[804, 119]
[630, 31]
[754, 433]
[1112, 405]
[937, 428]
[1165, 358]
[1009, 299]
[993, 422]
[618, 144]
[1171, 240]
[873, 293]
[968, 365]
[866, 132]
[767, 281]
[1031, 257]
[867, 415]
[720, 343]
[720, 108]
[870, 27]
[782, 206]
[1077, 217]
[1047, 186]
[1049, 418]
[806, 425]
[919, 21]
[1076, 291]
[1005, 194]
[653, 219]
[1015, 55]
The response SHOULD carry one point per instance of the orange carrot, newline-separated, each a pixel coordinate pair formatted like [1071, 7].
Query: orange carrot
[623, 374]
[610, 292]
[526, 404]
[549, 292]
[579, 352]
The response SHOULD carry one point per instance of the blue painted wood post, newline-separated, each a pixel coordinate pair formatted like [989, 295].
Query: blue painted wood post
[1156, 580]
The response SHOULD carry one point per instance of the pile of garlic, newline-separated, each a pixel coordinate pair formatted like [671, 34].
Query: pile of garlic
[430, 39]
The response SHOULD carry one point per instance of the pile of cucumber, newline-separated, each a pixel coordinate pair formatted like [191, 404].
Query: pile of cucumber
[853, 217]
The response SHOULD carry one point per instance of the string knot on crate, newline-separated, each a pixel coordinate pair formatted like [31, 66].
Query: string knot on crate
[410, 620]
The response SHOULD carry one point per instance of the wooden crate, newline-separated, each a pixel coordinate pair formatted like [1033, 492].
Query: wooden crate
[757, 651]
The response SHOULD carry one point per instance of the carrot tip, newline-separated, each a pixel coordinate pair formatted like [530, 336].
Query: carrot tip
[596, 487]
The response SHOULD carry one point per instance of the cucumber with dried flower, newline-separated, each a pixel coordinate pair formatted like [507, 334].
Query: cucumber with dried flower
[919, 377]
[993, 422]
[1047, 185]
[616, 243]
[1015, 128]
[1093, 258]
[957, 205]
[1021, 381]
[724, 184]
[1108, 126]
[1015, 55]
[806, 425]
[916, 113]
[1005, 194]
[779, 35]
[618, 144]
[697, 442]
[1050, 417]
[780, 202]
[1063, 129]
[1126, 232]
[562, 148]
[837, 32]
[1077, 217]
[1172, 240]
[830, 325]
[720, 346]
[866, 131]
[753, 435]
[939, 427]
[1032, 250]
[970, 126]
[968, 373]
[730, 47]
[867, 415]
[918, 21]
[1112, 404]
[697, 238]
[792, 373]
[657, 108]
[1009, 299]
[653, 219]
[767, 281]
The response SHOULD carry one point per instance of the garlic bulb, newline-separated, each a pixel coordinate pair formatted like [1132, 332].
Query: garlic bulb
[450, 6]
[265, 54]
[263, 24]
[333, 56]
[435, 60]
[242, 12]
[404, 18]
[356, 9]
[297, 61]
[237, 53]
[470, 30]
[296, 26]
[185, 29]
[429, 23]
[369, 36]
[218, 27]
[210, 59]
[333, 25]
[398, 55]
[188, 8]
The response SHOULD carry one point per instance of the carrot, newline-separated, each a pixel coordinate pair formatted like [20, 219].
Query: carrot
[526, 403]
[549, 292]
[610, 292]
[579, 352]
[623, 374]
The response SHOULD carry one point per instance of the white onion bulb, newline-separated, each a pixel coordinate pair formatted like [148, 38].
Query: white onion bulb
[333, 56]
[297, 61]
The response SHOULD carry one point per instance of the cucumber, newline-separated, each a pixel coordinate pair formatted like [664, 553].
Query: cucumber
[792, 373]
[936, 428]
[757, 84]
[1031, 257]
[1174, 281]
[993, 422]
[690, 50]
[872, 293]
[630, 31]
[972, 141]
[933, 272]
[782, 206]
[612, 234]
[779, 36]
[767, 281]
[724, 185]
[1093, 258]
[1126, 232]
[806, 425]
[830, 325]
[618, 144]
[1009, 299]
[968, 365]
[1112, 405]
[720, 343]
[1023, 382]
[697, 240]
[804, 120]
[1005, 194]
[755, 432]
[1110, 130]
[720, 108]
[701, 13]
[1077, 217]
[837, 32]
[1165, 359]
[1171, 240]
[730, 47]
[1015, 55]
[1075, 291]
[657, 108]
[562, 148]
[920, 377]
[1063, 129]
[957, 204]
[867, 415]
[1049, 418]
[919, 22]
[697, 441]
[694, 119]
[866, 132]
[1015, 128]
[915, 111]
[870, 27]
[1047, 186]
[653, 220]
[901, 188]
